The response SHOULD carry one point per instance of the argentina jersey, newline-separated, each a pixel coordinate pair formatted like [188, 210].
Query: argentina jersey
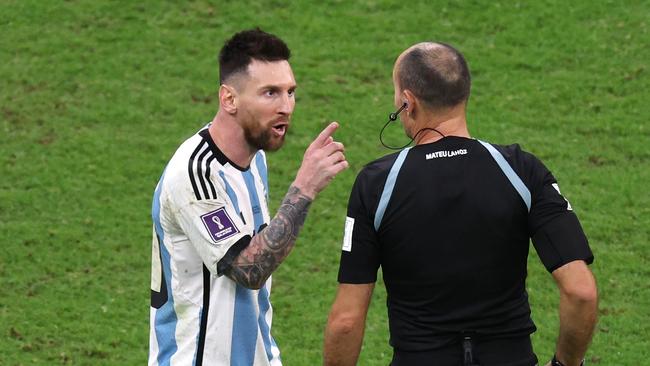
[203, 205]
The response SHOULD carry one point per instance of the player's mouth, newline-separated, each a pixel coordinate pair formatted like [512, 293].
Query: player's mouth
[280, 128]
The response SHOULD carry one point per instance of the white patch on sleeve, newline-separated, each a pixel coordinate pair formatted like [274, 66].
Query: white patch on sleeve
[568, 204]
[347, 237]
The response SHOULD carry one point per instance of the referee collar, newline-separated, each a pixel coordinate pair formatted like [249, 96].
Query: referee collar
[446, 139]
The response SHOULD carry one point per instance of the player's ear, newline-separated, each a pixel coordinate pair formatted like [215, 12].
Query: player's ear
[228, 99]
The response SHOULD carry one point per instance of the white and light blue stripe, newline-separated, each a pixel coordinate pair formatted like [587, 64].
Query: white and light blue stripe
[165, 318]
[389, 186]
[514, 179]
[261, 168]
[246, 321]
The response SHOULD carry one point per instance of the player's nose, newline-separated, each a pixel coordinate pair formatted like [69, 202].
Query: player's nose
[287, 104]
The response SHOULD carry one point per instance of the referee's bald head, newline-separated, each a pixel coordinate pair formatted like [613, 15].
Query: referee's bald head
[436, 73]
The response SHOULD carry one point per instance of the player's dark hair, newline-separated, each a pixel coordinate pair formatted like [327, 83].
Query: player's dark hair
[438, 76]
[243, 47]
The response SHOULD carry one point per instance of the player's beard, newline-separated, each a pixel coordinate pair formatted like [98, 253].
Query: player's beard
[261, 137]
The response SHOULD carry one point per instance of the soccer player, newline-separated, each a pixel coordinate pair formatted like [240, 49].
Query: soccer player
[214, 243]
[449, 221]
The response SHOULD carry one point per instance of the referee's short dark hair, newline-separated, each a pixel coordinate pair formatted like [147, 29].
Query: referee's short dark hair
[240, 50]
[436, 73]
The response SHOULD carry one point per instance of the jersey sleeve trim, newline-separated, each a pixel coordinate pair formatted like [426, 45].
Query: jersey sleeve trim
[514, 179]
[389, 186]
[232, 253]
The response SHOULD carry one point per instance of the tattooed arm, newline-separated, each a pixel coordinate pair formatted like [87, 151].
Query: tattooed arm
[322, 161]
[272, 245]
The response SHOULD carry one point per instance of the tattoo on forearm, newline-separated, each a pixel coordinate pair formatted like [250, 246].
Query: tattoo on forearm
[272, 245]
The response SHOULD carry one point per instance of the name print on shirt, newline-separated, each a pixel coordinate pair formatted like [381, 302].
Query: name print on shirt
[445, 154]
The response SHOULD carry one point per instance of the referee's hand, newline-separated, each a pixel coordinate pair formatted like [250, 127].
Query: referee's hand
[322, 161]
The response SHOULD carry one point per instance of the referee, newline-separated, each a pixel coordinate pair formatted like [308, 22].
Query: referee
[449, 222]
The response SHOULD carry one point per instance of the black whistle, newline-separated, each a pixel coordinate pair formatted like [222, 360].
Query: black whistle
[468, 352]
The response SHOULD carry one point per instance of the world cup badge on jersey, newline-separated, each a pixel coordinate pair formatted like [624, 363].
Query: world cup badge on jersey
[219, 225]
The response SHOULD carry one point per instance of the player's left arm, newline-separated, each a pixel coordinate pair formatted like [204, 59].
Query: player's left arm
[346, 324]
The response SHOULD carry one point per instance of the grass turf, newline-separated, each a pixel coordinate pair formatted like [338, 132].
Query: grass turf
[95, 97]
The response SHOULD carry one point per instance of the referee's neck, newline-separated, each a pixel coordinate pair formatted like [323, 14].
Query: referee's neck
[442, 126]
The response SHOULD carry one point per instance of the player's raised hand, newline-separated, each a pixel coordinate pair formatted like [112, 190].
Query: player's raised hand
[322, 161]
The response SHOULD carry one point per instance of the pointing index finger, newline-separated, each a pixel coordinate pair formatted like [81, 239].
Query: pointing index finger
[323, 137]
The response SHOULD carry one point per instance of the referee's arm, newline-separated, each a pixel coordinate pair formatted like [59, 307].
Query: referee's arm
[346, 324]
[578, 311]
[564, 250]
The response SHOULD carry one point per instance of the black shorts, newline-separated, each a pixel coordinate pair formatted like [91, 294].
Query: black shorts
[493, 352]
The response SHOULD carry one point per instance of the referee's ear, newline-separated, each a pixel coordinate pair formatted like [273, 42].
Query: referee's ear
[411, 101]
[227, 99]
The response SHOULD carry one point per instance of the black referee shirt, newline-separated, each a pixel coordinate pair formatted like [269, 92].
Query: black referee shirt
[449, 223]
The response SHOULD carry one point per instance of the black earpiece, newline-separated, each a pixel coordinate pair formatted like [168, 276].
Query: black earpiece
[393, 116]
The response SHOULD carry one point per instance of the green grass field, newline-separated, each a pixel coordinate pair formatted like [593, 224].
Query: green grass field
[95, 96]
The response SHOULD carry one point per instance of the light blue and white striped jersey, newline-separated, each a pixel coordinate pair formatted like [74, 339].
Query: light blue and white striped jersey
[203, 205]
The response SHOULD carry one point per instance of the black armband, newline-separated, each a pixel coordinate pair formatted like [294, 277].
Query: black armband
[561, 241]
[224, 264]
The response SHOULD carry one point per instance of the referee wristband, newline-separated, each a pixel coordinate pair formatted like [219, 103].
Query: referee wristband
[555, 362]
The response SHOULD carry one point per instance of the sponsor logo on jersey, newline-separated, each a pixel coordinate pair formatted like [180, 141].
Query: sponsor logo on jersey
[446, 154]
[219, 225]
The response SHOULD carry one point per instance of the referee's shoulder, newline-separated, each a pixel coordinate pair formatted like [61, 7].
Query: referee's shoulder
[379, 166]
[508, 150]
[514, 153]
[526, 164]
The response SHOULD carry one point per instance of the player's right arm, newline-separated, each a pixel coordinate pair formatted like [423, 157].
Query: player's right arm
[322, 161]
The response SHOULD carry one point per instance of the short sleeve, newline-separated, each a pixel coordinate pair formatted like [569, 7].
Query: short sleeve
[360, 254]
[212, 227]
[555, 229]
